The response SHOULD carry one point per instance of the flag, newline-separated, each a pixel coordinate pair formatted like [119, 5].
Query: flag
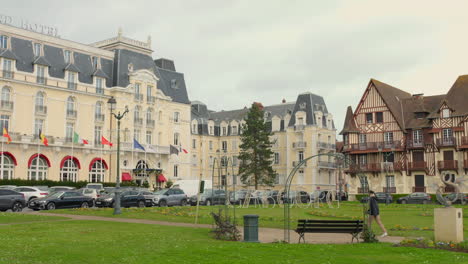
[43, 138]
[151, 148]
[77, 139]
[104, 141]
[5, 134]
[137, 145]
[185, 151]
[173, 150]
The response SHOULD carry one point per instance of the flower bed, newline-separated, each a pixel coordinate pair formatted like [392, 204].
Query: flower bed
[425, 243]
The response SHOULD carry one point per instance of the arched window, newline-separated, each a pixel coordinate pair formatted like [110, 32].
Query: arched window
[97, 171]
[38, 169]
[141, 169]
[6, 167]
[5, 94]
[69, 171]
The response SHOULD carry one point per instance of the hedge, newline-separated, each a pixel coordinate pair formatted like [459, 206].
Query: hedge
[395, 197]
[49, 183]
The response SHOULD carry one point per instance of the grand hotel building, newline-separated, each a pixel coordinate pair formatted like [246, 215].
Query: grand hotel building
[61, 87]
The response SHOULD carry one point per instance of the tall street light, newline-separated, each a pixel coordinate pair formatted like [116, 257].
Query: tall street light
[112, 104]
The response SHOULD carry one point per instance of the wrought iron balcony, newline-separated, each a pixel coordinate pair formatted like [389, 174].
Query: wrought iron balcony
[68, 139]
[8, 74]
[99, 117]
[41, 80]
[375, 146]
[295, 163]
[446, 142]
[326, 165]
[138, 121]
[99, 90]
[369, 167]
[447, 164]
[415, 144]
[150, 122]
[464, 142]
[72, 85]
[71, 113]
[138, 97]
[150, 99]
[6, 105]
[41, 109]
[299, 145]
[299, 128]
[417, 166]
[325, 145]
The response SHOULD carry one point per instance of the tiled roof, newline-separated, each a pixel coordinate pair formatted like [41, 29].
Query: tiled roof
[349, 125]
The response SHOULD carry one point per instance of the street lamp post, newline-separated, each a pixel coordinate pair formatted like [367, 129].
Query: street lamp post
[112, 103]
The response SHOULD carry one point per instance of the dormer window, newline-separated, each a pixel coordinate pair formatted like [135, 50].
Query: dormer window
[95, 62]
[419, 115]
[37, 49]
[67, 56]
[446, 113]
[174, 84]
[3, 42]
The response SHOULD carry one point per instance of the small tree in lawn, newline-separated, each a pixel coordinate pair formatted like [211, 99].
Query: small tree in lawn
[255, 150]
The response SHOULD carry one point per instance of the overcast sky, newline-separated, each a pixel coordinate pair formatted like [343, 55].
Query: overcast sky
[235, 52]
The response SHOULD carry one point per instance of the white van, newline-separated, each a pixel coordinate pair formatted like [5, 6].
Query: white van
[97, 186]
[190, 187]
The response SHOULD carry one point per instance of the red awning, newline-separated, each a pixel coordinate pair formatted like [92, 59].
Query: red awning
[77, 162]
[6, 153]
[40, 155]
[161, 178]
[126, 176]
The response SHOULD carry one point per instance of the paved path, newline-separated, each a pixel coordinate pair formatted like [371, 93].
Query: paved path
[266, 235]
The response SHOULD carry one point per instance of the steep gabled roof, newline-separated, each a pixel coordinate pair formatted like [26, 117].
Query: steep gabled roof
[349, 125]
[457, 97]
[393, 98]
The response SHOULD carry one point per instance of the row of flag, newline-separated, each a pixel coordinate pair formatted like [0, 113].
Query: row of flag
[78, 140]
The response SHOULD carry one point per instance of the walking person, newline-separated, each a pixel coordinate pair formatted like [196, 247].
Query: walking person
[374, 213]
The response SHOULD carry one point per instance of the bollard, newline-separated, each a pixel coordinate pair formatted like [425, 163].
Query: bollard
[251, 228]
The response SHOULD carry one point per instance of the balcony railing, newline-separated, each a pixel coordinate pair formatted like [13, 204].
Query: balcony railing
[295, 163]
[68, 139]
[363, 190]
[150, 99]
[417, 166]
[138, 97]
[41, 109]
[446, 142]
[415, 144]
[8, 74]
[71, 85]
[150, 123]
[392, 166]
[71, 113]
[99, 90]
[326, 165]
[419, 189]
[369, 167]
[299, 127]
[99, 117]
[375, 146]
[138, 121]
[464, 142]
[325, 145]
[41, 80]
[447, 164]
[389, 189]
[299, 145]
[6, 105]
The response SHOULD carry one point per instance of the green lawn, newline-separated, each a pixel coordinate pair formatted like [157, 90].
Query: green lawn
[8, 218]
[407, 219]
[111, 242]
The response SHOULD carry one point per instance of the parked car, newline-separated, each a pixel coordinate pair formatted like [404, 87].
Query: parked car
[97, 186]
[42, 187]
[238, 197]
[60, 188]
[273, 197]
[381, 198]
[344, 196]
[149, 197]
[10, 199]
[415, 198]
[127, 199]
[93, 193]
[210, 197]
[458, 200]
[296, 197]
[61, 199]
[169, 197]
[31, 192]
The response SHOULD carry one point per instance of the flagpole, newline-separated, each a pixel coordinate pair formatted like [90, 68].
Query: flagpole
[73, 142]
[1, 157]
[146, 173]
[38, 154]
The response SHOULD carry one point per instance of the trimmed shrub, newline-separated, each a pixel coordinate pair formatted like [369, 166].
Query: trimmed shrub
[78, 184]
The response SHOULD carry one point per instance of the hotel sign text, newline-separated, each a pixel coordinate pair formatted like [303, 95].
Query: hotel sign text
[24, 24]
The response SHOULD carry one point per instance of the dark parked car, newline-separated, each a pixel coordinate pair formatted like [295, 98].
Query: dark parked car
[127, 199]
[173, 196]
[381, 198]
[10, 199]
[209, 197]
[415, 198]
[296, 197]
[149, 197]
[61, 199]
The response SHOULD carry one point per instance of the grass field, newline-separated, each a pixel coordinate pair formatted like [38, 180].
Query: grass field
[400, 220]
[8, 218]
[110, 242]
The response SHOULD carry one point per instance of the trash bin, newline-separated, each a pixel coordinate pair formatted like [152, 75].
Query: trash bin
[251, 228]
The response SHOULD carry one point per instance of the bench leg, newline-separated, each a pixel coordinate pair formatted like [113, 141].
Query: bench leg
[355, 236]
[301, 236]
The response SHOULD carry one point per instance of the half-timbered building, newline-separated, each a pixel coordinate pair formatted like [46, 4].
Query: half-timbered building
[403, 143]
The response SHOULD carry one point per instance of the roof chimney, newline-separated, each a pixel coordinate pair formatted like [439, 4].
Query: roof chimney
[283, 101]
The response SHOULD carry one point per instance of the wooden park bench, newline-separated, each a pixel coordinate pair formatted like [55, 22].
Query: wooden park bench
[353, 227]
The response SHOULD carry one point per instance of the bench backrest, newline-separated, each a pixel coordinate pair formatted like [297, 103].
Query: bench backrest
[343, 225]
